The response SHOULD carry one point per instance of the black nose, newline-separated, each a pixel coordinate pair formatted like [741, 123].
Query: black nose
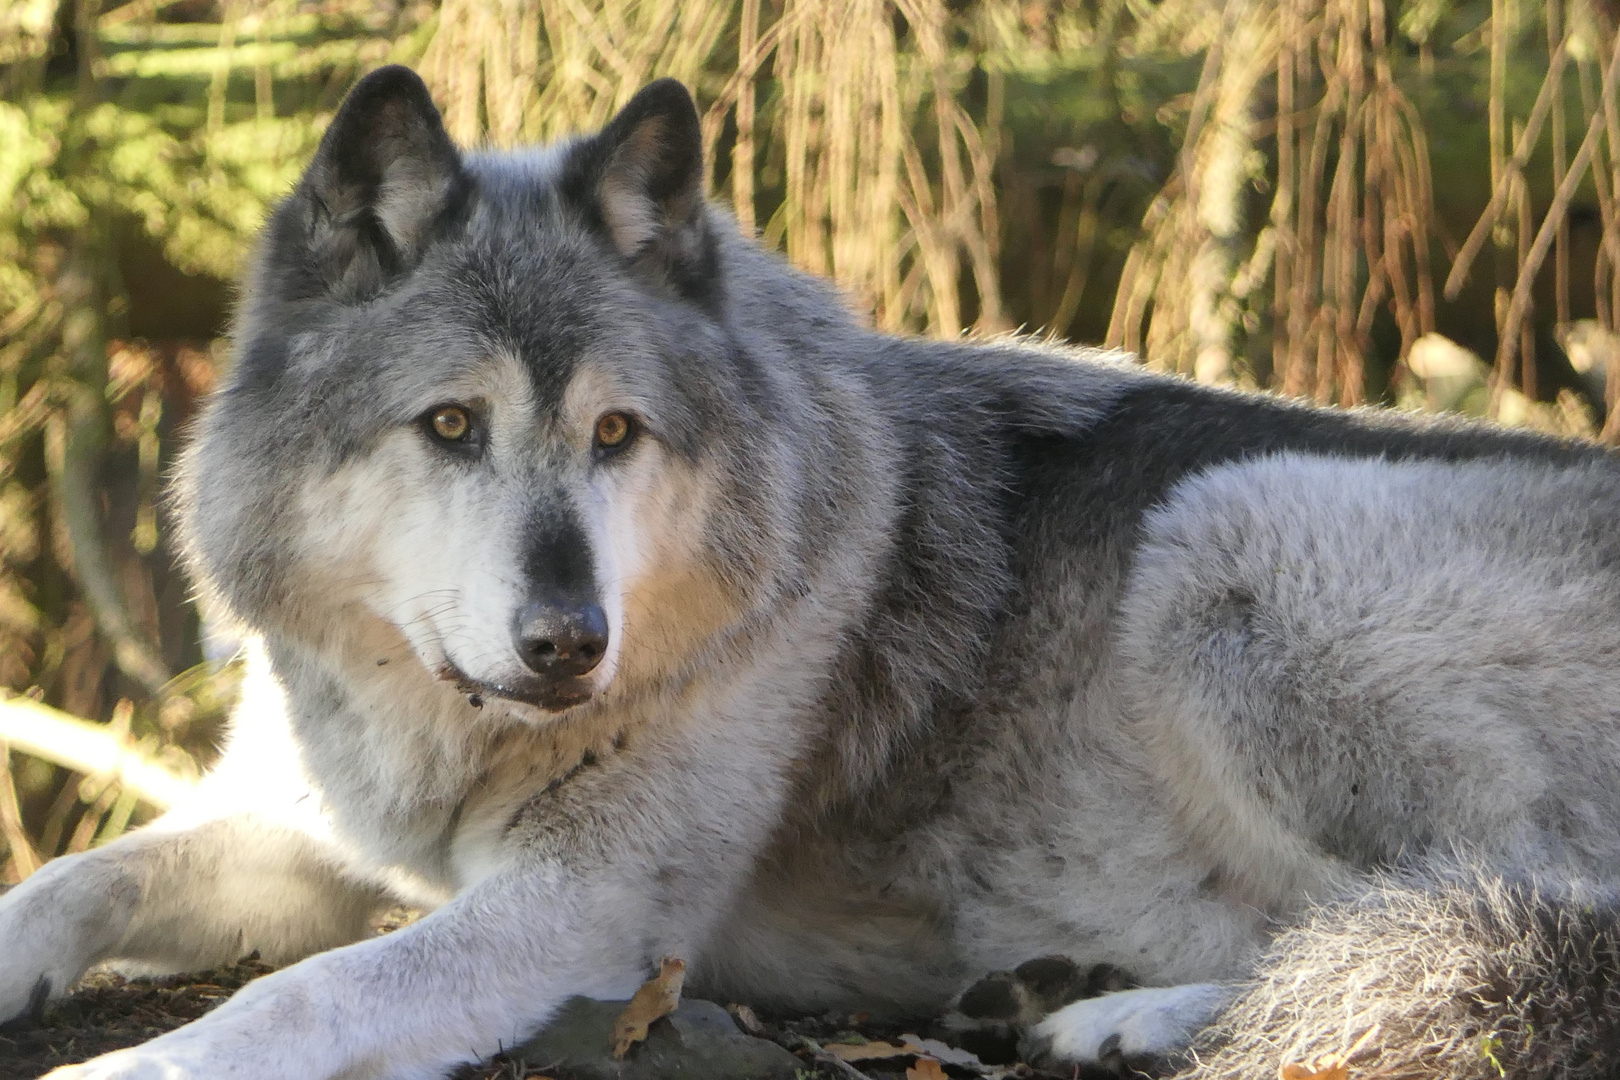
[559, 640]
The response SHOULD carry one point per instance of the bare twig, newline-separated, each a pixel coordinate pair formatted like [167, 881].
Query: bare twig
[72, 472]
[1512, 170]
[1282, 204]
[1508, 343]
[825, 1057]
[1560, 163]
[23, 859]
[742, 155]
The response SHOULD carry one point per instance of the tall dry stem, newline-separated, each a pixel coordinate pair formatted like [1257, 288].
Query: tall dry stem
[886, 181]
[1347, 231]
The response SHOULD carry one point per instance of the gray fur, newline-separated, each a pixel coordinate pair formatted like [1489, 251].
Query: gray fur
[1514, 982]
[930, 658]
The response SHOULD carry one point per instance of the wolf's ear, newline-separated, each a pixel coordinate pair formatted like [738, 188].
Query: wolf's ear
[386, 175]
[643, 175]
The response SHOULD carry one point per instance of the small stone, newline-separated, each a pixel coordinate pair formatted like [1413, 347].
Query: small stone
[698, 1041]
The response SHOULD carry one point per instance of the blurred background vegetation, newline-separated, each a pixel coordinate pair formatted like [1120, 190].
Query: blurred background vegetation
[1407, 204]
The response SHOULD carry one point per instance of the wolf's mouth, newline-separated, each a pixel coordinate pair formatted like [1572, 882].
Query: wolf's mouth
[550, 696]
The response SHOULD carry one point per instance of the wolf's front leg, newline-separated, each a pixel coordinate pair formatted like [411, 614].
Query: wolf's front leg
[577, 888]
[181, 899]
[479, 974]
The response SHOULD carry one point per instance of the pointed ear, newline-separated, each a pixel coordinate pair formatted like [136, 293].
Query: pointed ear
[643, 175]
[385, 178]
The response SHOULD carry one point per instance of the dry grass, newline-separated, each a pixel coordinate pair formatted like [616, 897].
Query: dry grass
[1349, 227]
[886, 178]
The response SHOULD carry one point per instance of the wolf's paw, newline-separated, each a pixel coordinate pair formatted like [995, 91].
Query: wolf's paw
[1130, 1027]
[39, 957]
[136, 1063]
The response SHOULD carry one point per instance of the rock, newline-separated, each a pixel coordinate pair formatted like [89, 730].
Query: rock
[698, 1041]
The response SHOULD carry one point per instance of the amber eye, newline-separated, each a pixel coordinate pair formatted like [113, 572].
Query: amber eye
[612, 430]
[450, 423]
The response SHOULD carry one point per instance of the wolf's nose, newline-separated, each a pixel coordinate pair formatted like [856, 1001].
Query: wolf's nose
[558, 641]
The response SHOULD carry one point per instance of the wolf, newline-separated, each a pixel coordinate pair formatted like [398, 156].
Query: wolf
[613, 593]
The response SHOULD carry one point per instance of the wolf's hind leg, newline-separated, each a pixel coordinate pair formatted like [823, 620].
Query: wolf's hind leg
[1151, 1024]
[177, 900]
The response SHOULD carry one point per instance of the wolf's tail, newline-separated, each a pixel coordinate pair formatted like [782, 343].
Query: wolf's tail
[1452, 975]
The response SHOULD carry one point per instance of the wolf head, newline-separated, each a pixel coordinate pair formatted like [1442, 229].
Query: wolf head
[488, 411]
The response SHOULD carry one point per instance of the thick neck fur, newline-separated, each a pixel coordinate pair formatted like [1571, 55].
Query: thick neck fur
[920, 646]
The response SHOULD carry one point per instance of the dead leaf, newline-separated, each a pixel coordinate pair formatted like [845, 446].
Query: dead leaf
[747, 1020]
[1328, 1068]
[950, 1055]
[926, 1069]
[656, 999]
[871, 1051]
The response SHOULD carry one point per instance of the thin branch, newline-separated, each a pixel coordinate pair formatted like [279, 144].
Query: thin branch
[1508, 344]
[72, 473]
[24, 859]
[1560, 163]
[1513, 170]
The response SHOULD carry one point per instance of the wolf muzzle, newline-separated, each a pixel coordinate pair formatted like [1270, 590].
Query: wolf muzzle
[560, 641]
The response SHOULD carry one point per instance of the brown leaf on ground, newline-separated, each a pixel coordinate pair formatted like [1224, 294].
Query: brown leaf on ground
[1324, 1071]
[1328, 1066]
[655, 1000]
[945, 1054]
[926, 1069]
[872, 1051]
[747, 1020]
[1331, 1069]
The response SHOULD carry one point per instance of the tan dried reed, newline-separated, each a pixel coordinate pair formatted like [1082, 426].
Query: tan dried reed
[886, 179]
[1338, 246]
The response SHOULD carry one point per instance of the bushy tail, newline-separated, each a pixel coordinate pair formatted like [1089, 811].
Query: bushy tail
[1451, 975]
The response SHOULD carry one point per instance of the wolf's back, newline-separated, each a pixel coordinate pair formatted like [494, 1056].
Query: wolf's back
[1447, 975]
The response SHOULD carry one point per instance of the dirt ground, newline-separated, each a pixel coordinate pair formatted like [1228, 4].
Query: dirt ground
[107, 1012]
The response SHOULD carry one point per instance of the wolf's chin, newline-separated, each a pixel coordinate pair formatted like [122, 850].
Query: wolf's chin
[550, 697]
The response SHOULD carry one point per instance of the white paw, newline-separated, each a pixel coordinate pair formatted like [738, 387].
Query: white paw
[1150, 1023]
[45, 940]
[147, 1062]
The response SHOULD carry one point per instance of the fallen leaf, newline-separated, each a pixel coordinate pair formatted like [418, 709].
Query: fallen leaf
[926, 1069]
[871, 1051]
[656, 999]
[950, 1055]
[747, 1020]
[1324, 1069]
[1328, 1066]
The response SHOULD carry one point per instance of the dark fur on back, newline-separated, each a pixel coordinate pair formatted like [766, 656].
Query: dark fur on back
[974, 571]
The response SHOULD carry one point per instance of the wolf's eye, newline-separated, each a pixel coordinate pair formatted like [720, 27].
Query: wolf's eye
[612, 431]
[450, 422]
